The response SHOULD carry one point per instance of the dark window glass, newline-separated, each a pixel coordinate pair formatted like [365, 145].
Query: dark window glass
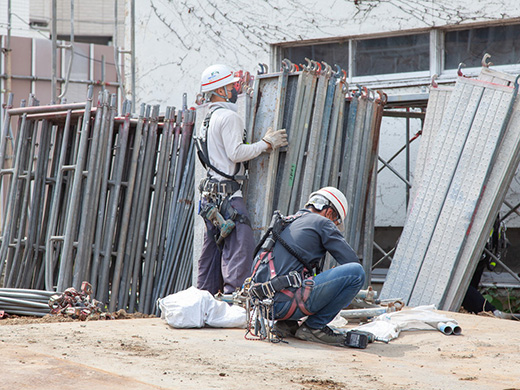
[331, 53]
[469, 46]
[409, 53]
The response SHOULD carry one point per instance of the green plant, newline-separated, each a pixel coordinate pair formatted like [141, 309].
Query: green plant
[504, 299]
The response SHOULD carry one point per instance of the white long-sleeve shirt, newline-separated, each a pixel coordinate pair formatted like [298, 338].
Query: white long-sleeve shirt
[225, 141]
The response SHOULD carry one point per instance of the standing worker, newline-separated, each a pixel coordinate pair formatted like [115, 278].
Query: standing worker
[288, 264]
[227, 252]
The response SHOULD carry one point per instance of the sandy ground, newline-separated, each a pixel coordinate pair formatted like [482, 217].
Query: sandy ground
[149, 354]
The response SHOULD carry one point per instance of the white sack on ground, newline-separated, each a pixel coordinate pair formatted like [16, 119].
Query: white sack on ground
[388, 326]
[194, 308]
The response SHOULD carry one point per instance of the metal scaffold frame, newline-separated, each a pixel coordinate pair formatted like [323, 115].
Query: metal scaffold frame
[98, 197]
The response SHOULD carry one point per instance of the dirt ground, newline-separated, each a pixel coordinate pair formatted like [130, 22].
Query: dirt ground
[147, 353]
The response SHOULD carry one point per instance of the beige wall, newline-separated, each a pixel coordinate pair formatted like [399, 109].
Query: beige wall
[31, 70]
[91, 18]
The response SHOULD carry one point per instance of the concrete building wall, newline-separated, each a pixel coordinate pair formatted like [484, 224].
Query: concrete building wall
[91, 63]
[176, 41]
[20, 11]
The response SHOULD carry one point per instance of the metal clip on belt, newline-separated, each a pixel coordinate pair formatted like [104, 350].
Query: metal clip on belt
[278, 283]
[227, 187]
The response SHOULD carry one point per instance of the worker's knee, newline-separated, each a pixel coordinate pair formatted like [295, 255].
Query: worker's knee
[354, 271]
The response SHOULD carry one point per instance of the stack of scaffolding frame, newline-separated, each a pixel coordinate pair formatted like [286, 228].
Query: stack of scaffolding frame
[93, 196]
[333, 141]
[461, 181]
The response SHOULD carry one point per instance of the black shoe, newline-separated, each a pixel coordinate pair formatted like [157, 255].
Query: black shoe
[285, 328]
[324, 335]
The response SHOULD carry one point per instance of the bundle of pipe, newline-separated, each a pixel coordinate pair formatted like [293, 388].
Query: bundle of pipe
[333, 141]
[93, 196]
[25, 302]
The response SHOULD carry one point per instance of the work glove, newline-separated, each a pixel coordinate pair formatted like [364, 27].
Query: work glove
[276, 138]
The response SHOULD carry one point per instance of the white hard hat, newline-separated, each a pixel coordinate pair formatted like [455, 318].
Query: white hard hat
[216, 76]
[335, 198]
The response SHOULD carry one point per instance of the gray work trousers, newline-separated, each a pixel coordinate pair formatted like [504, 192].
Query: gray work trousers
[225, 268]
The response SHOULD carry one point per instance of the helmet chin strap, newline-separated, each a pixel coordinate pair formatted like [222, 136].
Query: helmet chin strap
[220, 96]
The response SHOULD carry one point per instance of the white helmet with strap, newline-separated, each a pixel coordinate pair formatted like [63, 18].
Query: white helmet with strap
[216, 76]
[333, 197]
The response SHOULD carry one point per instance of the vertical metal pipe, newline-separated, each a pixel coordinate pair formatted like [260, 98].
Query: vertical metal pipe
[117, 52]
[14, 190]
[165, 231]
[64, 277]
[407, 156]
[20, 187]
[116, 280]
[54, 53]
[8, 57]
[91, 191]
[132, 35]
[133, 251]
[112, 209]
[54, 211]
[146, 194]
[71, 48]
[134, 180]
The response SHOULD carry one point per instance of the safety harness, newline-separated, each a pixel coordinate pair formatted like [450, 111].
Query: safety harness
[201, 143]
[262, 294]
[217, 192]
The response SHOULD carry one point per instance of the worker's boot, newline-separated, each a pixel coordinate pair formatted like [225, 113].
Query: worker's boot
[324, 335]
[285, 328]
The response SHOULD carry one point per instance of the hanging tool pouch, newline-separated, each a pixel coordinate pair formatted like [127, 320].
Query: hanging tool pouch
[230, 212]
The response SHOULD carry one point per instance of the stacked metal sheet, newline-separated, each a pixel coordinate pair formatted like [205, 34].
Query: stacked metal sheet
[94, 196]
[471, 161]
[333, 141]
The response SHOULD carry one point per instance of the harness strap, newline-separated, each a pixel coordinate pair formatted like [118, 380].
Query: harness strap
[201, 144]
[260, 260]
[271, 264]
[298, 299]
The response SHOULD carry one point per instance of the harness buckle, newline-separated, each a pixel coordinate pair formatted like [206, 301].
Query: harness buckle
[308, 283]
[268, 290]
[294, 279]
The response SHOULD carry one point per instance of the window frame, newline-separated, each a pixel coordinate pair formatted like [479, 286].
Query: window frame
[436, 52]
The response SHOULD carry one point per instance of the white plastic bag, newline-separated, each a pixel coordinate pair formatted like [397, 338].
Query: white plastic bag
[388, 326]
[194, 308]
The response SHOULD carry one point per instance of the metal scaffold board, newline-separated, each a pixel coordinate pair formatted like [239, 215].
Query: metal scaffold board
[316, 129]
[462, 197]
[265, 101]
[500, 177]
[466, 100]
[494, 76]
[274, 158]
[437, 100]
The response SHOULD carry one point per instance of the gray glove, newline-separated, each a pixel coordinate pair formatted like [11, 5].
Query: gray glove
[276, 138]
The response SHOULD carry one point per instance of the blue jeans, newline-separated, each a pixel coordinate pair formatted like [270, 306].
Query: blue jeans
[333, 290]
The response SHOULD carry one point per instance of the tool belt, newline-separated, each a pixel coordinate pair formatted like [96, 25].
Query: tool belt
[225, 187]
[276, 284]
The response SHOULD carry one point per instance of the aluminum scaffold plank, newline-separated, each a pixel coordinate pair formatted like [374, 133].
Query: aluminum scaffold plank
[494, 193]
[432, 190]
[462, 197]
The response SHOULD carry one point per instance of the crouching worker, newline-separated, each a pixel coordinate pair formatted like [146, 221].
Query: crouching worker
[287, 268]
